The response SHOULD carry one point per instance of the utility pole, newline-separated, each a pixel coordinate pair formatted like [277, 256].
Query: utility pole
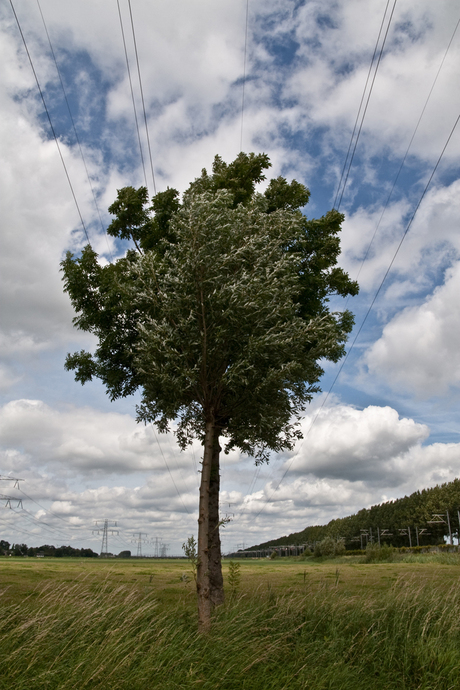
[406, 530]
[105, 531]
[438, 519]
[450, 531]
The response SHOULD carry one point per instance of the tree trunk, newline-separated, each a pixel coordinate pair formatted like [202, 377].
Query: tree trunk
[203, 587]
[216, 581]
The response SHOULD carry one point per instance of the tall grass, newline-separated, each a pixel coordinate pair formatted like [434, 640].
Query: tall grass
[84, 635]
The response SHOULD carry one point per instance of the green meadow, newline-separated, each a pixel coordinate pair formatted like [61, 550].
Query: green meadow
[131, 624]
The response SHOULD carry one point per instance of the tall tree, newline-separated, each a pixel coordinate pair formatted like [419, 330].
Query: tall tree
[220, 318]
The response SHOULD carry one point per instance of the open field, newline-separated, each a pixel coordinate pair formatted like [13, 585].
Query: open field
[71, 623]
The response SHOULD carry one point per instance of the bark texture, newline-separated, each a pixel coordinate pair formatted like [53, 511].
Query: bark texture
[203, 588]
[216, 581]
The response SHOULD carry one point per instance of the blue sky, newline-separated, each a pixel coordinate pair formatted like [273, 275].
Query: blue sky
[389, 425]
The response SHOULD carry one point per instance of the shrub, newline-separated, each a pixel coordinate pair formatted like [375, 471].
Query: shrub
[307, 553]
[377, 553]
[329, 548]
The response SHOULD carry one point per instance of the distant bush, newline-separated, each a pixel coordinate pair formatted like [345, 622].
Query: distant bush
[377, 553]
[307, 553]
[329, 548]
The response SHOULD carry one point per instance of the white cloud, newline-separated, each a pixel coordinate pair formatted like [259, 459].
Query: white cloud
[336, 43]
[86, 441]
[418, 350]
[355, 445]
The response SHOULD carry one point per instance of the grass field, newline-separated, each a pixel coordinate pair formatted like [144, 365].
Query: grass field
[71, 623]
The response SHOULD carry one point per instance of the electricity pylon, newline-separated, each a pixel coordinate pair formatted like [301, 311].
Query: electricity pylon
[5, 478]
[139, 536]
[105, 541]
[159, 548]
[8, 499]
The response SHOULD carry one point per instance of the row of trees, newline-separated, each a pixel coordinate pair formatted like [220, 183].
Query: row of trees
[47, 550]
[416, 510]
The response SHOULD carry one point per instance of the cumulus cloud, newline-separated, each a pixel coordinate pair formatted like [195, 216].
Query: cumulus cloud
[351, 458]
[335, 48]
[356, 445]
[418, 349]
[86, 441]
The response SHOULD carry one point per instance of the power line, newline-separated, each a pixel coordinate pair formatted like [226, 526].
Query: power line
[170, 474]
[361, 102]
[74, 127]
[142, 96]
[49, 120]
[47, 510]
[365, 108]
[55, 532]
[399, 245]
[408, 148]
[132, 92]
[369, 309]
[244, 74]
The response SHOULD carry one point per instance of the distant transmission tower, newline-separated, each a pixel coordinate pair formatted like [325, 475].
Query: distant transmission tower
[6, 478]
[105, 541]
[8, 499]
[159, 548]
[139, 536]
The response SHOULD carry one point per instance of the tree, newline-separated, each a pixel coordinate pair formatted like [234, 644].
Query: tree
[4, 547]
[220, 318]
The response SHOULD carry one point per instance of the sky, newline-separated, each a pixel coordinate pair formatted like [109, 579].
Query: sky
[386, 423]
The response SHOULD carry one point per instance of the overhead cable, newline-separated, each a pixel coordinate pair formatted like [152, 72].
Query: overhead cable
[142, 96]
[74, 128]
[132, 92]
[411, 220]
[170, 473]
[408, 148]
[341, 187]
[402, 239]
[244, 73]
[50, 123]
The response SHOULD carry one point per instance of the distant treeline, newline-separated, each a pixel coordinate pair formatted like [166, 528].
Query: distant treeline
[45, 550]
[414, 511]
